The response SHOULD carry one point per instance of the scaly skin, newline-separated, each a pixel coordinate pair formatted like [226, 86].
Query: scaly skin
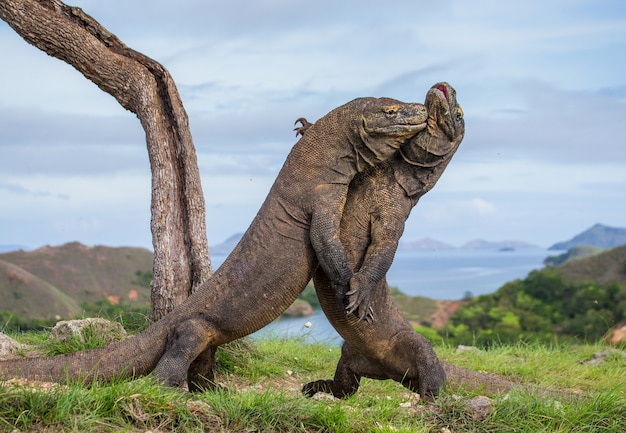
[295, 229]
[385, 346]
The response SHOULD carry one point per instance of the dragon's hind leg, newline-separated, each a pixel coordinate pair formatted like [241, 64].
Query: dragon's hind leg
[343, 385]
[201, 375]
[190, 340]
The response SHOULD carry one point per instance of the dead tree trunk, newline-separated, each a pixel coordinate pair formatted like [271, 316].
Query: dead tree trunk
[143, 86]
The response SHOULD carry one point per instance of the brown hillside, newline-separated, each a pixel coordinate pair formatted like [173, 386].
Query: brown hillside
[23, 293]
[87, 274]
[606, 267]
[445, 310]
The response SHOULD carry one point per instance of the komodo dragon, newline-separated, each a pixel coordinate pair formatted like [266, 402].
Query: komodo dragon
[295, 229]
[378, 204]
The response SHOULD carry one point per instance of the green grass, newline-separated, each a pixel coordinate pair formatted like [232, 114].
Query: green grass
[260, 392]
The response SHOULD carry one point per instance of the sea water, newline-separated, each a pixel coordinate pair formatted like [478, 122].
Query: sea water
[457, 273]
[439, 274]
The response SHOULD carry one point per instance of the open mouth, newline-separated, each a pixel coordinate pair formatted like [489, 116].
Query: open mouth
[443, 90]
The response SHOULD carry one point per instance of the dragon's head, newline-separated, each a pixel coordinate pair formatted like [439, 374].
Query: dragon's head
[428, 153]
[383, 124]
[388, 117]
[445, 119]
[445, 130]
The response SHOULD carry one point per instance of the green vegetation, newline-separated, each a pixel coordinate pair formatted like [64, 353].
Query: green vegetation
[134, 317]
[542, 307]
[573, 253]
[262, 382]
[10, 322]
[143, 278]
[39, 287]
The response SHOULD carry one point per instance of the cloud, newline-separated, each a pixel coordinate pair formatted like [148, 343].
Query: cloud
[452, 209]
[554, 125]
[52, 127]
[540, 82]
[17, 189]
[44, 142]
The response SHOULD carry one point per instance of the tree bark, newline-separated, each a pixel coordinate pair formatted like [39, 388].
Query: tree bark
[143, 86]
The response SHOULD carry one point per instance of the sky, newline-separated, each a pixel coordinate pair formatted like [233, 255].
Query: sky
[542, 85]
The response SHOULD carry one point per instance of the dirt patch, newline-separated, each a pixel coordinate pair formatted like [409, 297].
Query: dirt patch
[445, 310]
[31, 385]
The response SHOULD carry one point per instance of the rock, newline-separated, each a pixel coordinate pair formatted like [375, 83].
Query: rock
[479, 407]
[65, 330]
[321, 396]
[460, 348]
[600, 357]
[8, 346]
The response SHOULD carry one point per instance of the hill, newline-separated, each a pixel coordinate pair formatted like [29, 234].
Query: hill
[598, 235]
[580, 299]
[224, 248]
[604, 267]
[572, 254]
[24, 293]
[54, 281]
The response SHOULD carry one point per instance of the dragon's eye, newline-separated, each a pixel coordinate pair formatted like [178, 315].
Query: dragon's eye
[390, 111]
[459, 112]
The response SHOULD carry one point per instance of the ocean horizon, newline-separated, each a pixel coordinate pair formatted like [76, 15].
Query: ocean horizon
[446, 274]
[453, 274]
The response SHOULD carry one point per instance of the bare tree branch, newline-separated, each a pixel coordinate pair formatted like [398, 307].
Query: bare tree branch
[145, 87]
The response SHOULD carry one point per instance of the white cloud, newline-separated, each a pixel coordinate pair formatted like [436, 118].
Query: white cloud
[451, 210]
[515, 176]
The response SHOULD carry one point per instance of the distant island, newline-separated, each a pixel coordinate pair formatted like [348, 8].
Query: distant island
[224, 248]
[476, 244]
[598, 235]
[480, 244]
[229, 244]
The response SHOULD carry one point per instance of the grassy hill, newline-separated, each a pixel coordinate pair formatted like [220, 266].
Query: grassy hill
[573, 253]
[54, 281]
[605, 267]
[23, 294]
[581, 299]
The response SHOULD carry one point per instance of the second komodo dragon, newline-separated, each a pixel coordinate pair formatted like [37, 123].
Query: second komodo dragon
[296, 227]
[379, 202]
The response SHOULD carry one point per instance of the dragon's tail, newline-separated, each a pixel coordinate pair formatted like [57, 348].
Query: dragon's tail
[133, 357]
[490, 383]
